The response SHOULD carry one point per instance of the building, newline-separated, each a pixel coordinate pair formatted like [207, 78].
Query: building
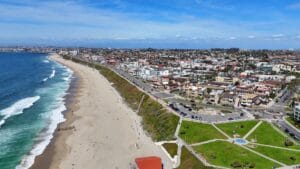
[297, 113]
[149, 163]
[247, 100]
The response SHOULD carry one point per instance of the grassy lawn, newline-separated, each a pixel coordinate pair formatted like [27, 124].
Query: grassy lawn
[225, 154]
[193, 132]
[171, 148]
[189, 161]
[266, 134]
[293, 122]
[241, 128]
[284, 156]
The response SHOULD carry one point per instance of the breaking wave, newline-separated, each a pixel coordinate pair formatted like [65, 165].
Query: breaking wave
[17, 108]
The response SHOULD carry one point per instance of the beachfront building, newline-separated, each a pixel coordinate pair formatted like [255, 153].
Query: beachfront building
[149, 163]
[297, 113]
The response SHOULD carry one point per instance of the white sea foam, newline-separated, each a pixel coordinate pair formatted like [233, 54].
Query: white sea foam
[17, 108]
[44, 139]
[55, 117]
[44, 80]
[46, 61]
[52, 74]
[50, 77]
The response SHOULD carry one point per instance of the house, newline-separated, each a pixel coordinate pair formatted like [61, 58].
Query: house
[245, 89]
[214, 96]
[112, 61]
[227, 98]
[149, 163]
[247, 100]
[285, 66]
[263, 90]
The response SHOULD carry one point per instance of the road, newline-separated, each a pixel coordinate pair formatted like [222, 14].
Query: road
[180, 103]
[284, 126]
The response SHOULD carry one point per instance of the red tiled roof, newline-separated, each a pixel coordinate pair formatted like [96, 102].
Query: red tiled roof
[148, 163]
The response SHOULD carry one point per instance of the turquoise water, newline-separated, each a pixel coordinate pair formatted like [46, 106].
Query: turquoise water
[240, 141]
[32, 90]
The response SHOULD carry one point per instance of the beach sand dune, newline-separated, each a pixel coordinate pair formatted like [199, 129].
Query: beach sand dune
[106, 133]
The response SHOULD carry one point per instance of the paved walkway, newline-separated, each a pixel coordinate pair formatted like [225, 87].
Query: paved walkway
[266, 157]
[282, 148]
[206, 142]
[220, 130]
[178, 127]
[140, 104]
[252, 130]
[178, 160]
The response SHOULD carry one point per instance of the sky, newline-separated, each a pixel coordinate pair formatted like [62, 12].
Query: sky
[257, 24]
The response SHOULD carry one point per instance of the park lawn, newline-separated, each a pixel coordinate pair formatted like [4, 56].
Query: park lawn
[280, 155]
[171, 148]
[223, 153]
[241, 127]
[194, 132]
[189, 161]
[266, 134]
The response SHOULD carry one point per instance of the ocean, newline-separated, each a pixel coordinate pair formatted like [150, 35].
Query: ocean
[32, 92]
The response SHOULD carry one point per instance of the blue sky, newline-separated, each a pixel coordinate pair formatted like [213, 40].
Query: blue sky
[155, 23]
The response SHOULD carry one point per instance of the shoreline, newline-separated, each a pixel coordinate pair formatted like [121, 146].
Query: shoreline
[112, 132]
[45, 159]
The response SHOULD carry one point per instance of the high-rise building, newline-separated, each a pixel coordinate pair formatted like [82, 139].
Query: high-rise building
[297, 113]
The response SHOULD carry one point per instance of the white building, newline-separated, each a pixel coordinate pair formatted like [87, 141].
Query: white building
[74, 52]
[297, 113]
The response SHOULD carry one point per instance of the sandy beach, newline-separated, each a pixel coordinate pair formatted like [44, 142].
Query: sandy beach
[100, 132]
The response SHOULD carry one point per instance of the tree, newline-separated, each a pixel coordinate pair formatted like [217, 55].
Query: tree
[208, 90]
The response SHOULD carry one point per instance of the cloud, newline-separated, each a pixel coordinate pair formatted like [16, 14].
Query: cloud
[294, 6]
[278, 36]
[85, 21]
[82, 20]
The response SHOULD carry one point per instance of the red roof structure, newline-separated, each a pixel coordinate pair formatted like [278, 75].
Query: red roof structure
[149, 163]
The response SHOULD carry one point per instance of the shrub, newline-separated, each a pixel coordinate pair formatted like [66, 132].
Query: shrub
[288, 143]
[293, 158]
[252, 165]
[236, 164]
[212, 156]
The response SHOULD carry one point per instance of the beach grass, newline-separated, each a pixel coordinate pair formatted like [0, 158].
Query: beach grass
[189, 161]
[241, 128]
[266, 134]
[285, 156]
[171, 148]
[194, 132]
[159, 123]
[226, 154]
